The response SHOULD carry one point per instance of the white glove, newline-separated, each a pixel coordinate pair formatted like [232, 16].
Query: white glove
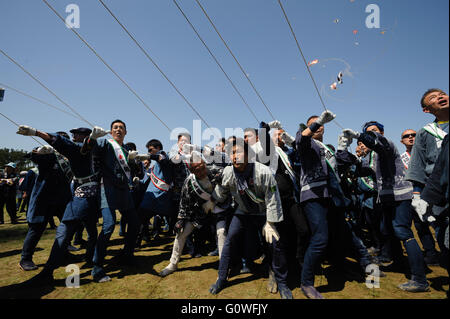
[343, 142]
[420, 206]
[142, 157]
[136, 180]
[287, 139]
[275, 124]
[208, 206]
[46, 149]
[98, 132]
[350, 133]
[207, 150]
[132, 155]
[26, 130]
[325, 117]
[270, 231]
[189, 148]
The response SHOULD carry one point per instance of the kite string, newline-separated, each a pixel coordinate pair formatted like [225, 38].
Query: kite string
[19, 126]
[36, 99]
[154, 63]
[304, 60]
[107, 65]
[235, 59]
[217, 62]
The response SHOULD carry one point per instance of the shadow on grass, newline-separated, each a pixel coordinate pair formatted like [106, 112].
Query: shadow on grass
[438, 282]
[23, 291]
[15, 252]
[13, 233]
[337, 277]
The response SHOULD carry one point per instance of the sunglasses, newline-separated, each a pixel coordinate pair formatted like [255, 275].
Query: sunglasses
[409, 135]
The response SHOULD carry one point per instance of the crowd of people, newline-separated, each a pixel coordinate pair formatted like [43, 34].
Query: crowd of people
[292, 201]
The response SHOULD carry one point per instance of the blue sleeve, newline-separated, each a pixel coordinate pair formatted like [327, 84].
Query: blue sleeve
[65, 146]
[376, 142]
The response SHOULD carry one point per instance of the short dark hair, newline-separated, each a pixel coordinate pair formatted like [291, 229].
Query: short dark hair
[251, 129]
[422, 100]
[130, 146]
[239, 141]
[119, 121]
[310, 118]
[223, 140]
[185, 134]
[62, 133]
[155, 143]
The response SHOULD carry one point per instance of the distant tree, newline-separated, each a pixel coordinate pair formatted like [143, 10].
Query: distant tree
[16, 156]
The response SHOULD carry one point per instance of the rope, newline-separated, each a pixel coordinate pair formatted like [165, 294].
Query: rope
[236, 60]
[45, 87]
[217, 62]
[18, 126]
[304, 60]
[36, 99]
[107, 65]
[153, 62]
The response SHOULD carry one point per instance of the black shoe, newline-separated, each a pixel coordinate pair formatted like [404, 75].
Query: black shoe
[80, 243]
[217, 287]
[27, 265]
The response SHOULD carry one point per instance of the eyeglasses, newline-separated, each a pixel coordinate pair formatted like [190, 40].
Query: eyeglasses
[409, 135]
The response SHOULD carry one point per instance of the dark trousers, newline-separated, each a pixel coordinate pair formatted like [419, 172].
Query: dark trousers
[400, 216]
[373, 220]
[316, 214]
[34, 234]
[275, 251]
[64, 234]
[440, 226]
[10, 202]
[425, 236]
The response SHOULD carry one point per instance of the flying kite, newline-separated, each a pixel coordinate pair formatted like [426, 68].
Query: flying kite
[339, 78]
[355, 31]
[336, 20]
[383, 32]
[333, 86]
[313, 62]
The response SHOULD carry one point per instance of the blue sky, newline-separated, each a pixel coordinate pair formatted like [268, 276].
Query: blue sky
[384, 74]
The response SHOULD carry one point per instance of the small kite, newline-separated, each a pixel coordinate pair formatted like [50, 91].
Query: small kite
[313, 62]
[383, 32]
[339, 78]
[356, 43]
[336, 21]
[333, 86]
[355, 31]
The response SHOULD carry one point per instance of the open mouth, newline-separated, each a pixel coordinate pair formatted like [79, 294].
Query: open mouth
[443, 102]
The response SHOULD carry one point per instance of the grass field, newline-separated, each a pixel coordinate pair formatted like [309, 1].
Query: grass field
[191, 281]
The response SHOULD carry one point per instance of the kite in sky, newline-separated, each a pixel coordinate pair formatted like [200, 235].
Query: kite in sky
[339, 78]
[336, 20]
[313, 62]
[355, 31]
[333, 86]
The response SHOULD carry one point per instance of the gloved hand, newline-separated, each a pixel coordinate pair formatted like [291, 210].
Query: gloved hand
[349, 133]
[270, 231]
[264, 125]
[179, 226]
[343, 143]
[142, 157]
[420, 206]
[208, 151]
[275, 124]
[46, 149]
[26, 130]
[98, 132]
[208, 206]
[136, 180]
[325, 117]
[287, 139]
[189, 148]
[132, 155]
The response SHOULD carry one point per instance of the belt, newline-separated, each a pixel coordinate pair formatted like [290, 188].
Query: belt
[88, 179]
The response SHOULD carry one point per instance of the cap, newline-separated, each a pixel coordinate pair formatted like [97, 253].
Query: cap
[11, 164]
[81, 130]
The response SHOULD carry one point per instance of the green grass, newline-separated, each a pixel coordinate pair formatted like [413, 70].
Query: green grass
[191, 281]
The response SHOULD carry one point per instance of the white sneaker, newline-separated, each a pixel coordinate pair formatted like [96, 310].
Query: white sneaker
[168, 270]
